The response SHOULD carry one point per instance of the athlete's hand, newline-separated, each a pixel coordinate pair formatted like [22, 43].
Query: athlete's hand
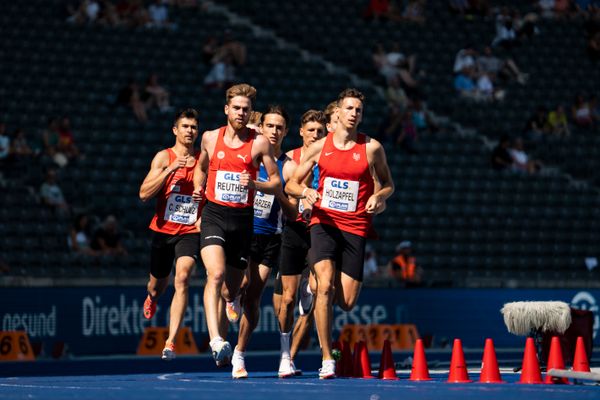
[198, 194]
[246, 180]
[375, 205]
[311, 196]
[180, 162]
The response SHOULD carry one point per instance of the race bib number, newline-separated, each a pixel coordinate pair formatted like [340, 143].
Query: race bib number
[181, 209]
[228, 188]
[263, 203]
[339, 195]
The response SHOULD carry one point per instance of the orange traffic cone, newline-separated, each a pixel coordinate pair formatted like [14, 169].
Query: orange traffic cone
[530, 370]
[490, 373]
[580, 361]
[362, 364]
[419, 371]
[458, 367]
[555, 361]
[387, 368]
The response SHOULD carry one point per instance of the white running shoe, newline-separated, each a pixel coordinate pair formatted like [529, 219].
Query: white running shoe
[221, 351]
[327, 370]
[306, 299]
[297, 371]
[286, 368]
[168, 352]
[239, 366]
[234, 309]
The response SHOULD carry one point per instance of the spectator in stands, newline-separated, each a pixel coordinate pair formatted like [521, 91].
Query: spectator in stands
[486, 89]
[156, 95]
[79, 239]
[87, 12]
[132, 13]
[557, 122]
[21, 153]
[501, 159]
[4, 146]
[465, 58]
[109, 15]
[158, 15]
[537, 126]
[50, 141]
[422, 118]
[403, 267]
[546, 8]
[66, 140]
[408, 80]
[506, 35]
[107, 239]
[130, 96]
[582, 113]
[370, 267]
[52, 195]
[465, 85]
[414, 11]
[521, 160]
[231, 54]
[395, 95]
[209, 49]
[377, 9]
[235, 48]
[497, 68]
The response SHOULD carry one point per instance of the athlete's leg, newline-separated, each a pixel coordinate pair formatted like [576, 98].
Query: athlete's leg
[183, 269]
[259, 275]
[325, 275]
[156, 287]
[213, 257]
[301, 329]
[285, 315]
[347, 291]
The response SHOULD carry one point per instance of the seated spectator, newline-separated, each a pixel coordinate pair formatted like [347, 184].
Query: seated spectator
[4, 146]
[370, 267]
[537, 126]
[158, 15]
[501, 159]
[395, 95]
[52, 196]
[129, 96]
[465, 58]
[66, 140]
[466, 87]
[79, 236]
[414, 11]
[235, 48]
[496, 67]
[107, 239]
[209, 49]
[557, 122]
[487, 90]
[20, 148]
[546, 8]
[50, 142]
[156, 95]
[521, 160]
[422, 118]
[582, 113]
[403, 267]
[506, 35]
[231, 54]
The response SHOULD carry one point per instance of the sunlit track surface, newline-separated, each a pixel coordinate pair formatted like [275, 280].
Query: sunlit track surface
[266, 385]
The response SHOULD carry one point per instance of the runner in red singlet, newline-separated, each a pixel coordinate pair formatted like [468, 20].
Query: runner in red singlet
[343, 206]
[229, 161]
[175, 226]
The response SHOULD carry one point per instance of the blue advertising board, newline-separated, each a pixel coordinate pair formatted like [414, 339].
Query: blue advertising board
[101, 320]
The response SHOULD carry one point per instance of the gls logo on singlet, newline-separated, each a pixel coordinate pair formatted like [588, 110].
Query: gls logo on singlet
[339, 184]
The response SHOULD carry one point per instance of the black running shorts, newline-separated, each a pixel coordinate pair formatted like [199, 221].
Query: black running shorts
[230, 228]
[295, 243]
[347, 250]
[264, 249]
[166, 248]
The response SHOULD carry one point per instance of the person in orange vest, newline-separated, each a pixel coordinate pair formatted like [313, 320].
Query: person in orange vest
[404, 266]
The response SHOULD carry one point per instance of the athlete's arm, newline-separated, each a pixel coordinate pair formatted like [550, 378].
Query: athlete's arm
[381, 170]
[296, 186]
[201, 168]
[265, 152]
[289, 206]
[158, 174]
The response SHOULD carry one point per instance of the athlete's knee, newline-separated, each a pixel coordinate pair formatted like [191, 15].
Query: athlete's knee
[288, 298]
[215, 277]
[325, 289]
[181, 281]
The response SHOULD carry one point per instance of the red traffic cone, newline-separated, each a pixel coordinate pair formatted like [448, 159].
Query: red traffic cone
[419, 370]
[530, 370]
[490, 373]
[555, 361]
[362, 364]
[346, 369]
[580, 361]
[387, 368]
[458, 367]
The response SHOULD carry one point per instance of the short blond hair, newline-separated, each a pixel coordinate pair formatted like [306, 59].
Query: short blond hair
[255, 118]
[242, 89]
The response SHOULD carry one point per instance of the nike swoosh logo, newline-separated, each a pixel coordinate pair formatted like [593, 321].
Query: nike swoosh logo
[328, 154]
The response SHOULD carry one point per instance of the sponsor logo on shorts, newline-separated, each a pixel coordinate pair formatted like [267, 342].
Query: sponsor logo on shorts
[214, 237]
